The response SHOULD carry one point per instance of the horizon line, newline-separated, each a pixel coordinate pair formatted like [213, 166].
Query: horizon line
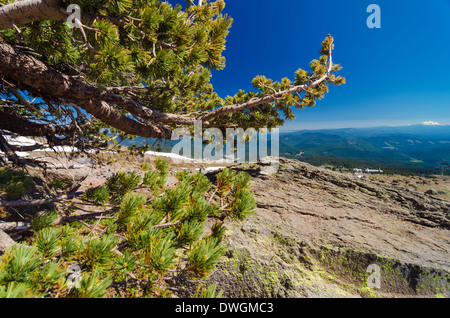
[365, 127]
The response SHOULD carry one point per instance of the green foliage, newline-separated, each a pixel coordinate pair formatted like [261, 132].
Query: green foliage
[121, 183]
[158, 250]
[204, 255]
[199, 209]
[153, 180]
[98, 252]
[189, 232]
[115, 188]
[50, 275]
[224, 181]
[19, 264]
[137, 246]
[98, 195]
[71, 244]
[62, 183]
[16, 290]
[125, 264]
[156, 179]
[172, 202]
[47, 241]
[43, 221]
[162, 166]
[129, 207]
[218, 230]
[92, 285]
[237, 185]
[244, 205]
[145, 166]
[209, 292]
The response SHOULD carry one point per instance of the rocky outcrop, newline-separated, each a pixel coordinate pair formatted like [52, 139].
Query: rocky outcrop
[319, 233]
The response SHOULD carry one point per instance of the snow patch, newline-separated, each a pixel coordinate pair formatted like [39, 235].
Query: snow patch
[430, 123]
[173, 156]
[20, 141]
[21, 154]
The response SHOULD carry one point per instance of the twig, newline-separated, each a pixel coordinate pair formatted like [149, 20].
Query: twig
[96, 215]
[88, 45]
[23, 101]
[22, 203]
[212, 195]
[159, 226]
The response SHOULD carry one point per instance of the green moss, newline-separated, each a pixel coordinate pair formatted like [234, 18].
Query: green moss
[370, 292]
[258, 278]
[292, 267]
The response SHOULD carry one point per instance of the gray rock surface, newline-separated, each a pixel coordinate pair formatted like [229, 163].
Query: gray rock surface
[316, 232]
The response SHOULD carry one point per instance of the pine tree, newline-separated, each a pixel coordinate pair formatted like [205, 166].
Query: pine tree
[130, 68]
[133, 68]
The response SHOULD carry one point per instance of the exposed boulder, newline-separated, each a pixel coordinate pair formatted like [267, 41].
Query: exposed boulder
[432, 192]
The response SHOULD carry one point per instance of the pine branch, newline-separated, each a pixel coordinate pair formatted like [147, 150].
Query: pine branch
[24, 68]
[269, 98]
[164, 225]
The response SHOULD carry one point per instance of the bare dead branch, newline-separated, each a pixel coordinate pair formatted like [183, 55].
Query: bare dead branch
[22, 203]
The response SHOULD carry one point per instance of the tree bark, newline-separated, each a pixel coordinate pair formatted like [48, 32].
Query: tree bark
[28, 70]
[25, 11]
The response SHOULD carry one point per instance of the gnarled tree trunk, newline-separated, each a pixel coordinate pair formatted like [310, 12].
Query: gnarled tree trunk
[27, 70]
[26, 11]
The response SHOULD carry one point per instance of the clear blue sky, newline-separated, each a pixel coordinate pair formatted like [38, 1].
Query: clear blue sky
[396, 75]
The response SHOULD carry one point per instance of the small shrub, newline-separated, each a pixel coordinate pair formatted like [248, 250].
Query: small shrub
[120, 184]
[43, 221]
[98, 196]
[145, 166]
[47, 241]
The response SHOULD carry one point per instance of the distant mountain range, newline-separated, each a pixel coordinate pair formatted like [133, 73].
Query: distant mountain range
[416, 146]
